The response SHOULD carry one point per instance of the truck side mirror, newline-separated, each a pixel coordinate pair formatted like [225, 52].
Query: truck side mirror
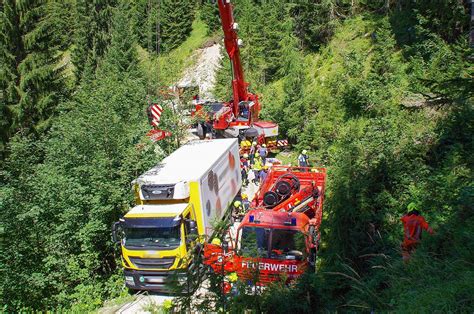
[192, 229]
[116, 230]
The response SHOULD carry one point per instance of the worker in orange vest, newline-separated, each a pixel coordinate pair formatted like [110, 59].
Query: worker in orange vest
[413, 224]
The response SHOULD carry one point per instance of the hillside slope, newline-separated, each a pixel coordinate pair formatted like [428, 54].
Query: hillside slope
[391, 116]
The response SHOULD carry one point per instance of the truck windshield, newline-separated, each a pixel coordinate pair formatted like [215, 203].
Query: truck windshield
[273, 243]
[255, 241]
[288, 243]
[153, 237]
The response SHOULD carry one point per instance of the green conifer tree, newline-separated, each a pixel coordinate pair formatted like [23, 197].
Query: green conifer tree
[169, 23]
[41, 81]
[210, 15]
[139, 10]
[11, 50]
[31, 79]
[92, 32]
[121, 56]
[293, 71]
[313, 22]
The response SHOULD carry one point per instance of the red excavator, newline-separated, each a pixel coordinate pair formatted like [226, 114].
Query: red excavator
[279, 237]
[238, 117]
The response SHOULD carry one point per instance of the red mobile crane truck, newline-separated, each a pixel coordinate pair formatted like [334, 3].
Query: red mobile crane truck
[279, 236]
[239, 116]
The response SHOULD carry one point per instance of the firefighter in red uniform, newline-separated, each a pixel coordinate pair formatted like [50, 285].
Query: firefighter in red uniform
[413, 224]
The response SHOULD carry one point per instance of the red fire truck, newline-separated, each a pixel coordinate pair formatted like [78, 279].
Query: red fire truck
[279, 237]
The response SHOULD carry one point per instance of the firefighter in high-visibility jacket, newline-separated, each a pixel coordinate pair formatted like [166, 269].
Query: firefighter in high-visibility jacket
[257, 167]
[238, 211]
[413, 225]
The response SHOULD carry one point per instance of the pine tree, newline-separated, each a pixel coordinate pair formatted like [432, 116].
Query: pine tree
[139, 11]
[176, 18]
[121, 56]
[270, 33]
[210, 15]
[11, 50]
[169, 23]
[31, 79]
[92, 33]
[253, 56]
[41, 83]
[295, 113]
[313, 22]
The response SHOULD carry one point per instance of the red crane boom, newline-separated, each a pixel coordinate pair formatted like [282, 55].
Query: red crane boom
[231, 41]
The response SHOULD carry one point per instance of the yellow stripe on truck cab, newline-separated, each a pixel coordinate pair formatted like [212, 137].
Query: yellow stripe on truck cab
[195, 199]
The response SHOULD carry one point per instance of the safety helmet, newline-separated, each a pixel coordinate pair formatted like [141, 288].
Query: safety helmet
[237, 204]
[265, 167]
[233, 277]
[257, 154]
[216, 241]
[246, 155]
[244, 195]
[304, 151]
[263, 145]
[411, 207]
[168, 304]
[254, 143]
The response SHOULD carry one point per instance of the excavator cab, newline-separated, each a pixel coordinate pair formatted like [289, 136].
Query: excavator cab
[244, 111]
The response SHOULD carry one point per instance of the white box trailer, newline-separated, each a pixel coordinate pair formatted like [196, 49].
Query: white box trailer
[203, 173]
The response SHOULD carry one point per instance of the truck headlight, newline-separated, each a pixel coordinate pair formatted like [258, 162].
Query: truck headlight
[182, 279]
[129, 280]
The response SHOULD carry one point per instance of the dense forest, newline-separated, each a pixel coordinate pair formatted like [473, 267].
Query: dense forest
[380, 92]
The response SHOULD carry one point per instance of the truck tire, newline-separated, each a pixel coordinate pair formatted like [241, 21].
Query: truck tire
[270, 199]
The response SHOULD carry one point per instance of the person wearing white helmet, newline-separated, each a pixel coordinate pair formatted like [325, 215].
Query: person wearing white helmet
[263, 153]
[303, 159]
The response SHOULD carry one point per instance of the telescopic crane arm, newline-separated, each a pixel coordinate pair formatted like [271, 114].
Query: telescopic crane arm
[231, 41]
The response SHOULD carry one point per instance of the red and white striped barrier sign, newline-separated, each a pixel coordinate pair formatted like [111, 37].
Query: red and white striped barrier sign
[282, 143]
[156, 111]
[157, 134]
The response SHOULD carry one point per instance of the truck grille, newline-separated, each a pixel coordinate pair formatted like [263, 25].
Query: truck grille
[157, 192]
[151, 263]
